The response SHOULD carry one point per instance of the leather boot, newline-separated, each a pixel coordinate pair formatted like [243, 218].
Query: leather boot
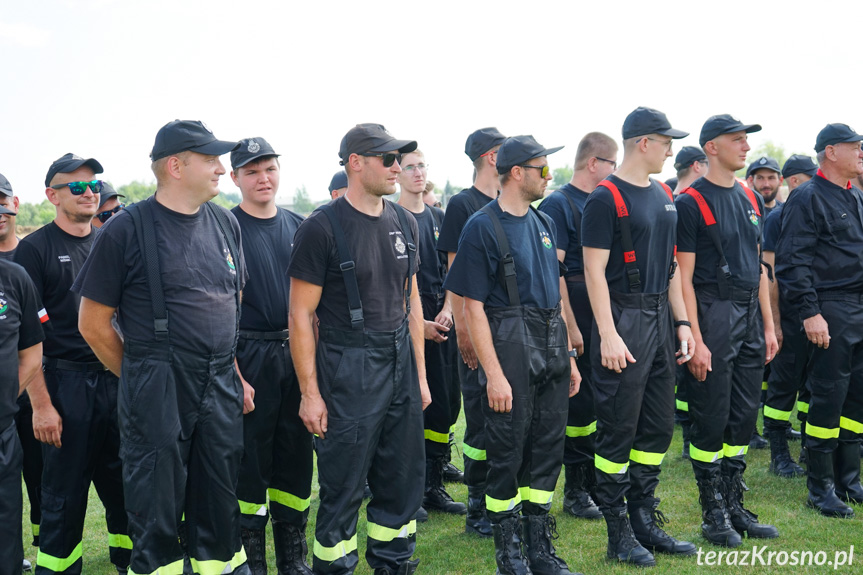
[291, 548]
[451, 473]
[822, 494]
[846, 465]
[715, 523]
[576, 499]
[792, 435]
[802, 458]
[255, 544]
[422, 515]
[686, 428]
[781, 463]
[743, 520]
[538, 532]
[622, 544]
[435, 496]
[26, 566]
[757, 442]
[507, 547]
[647, 521]
[406, 568]
[477, 521]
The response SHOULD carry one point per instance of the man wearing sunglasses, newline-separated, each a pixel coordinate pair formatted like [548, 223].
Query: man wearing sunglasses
[8, 200]
[353, 274]
[75, 403]
[109, 204]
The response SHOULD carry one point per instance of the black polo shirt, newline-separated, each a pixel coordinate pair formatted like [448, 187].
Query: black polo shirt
[559, 206]
[459, 209]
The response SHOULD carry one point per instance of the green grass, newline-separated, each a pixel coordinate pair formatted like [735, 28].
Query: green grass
[444, 548]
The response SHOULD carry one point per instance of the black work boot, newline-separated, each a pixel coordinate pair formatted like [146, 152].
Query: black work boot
[422, 515]
[819, 480]
[255, 544]
[507, 547]
[291, 549]
[715, 523]
[406, 568]
[451, 473]
[435, 496]
[538, 532]
[792, 435]
[622, 544]
[781, 463]
[647, 521]
[743, 520]
[846, 465]
[26, 566]
[686, 428]
[477, 521]
[803, 440]
[757, 442]
[576, 499]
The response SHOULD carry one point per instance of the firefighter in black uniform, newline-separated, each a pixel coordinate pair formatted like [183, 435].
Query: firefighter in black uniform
[363, 381]
[481, 147]
[277, 460]
[727, 301]
[75, 403]
[508, 273]
[629, 244]
[820, 272]
[171, 267]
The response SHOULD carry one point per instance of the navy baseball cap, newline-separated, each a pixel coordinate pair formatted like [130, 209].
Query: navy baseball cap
[481, 141]
[108, 192]
[799, 164]
[251, 149]
[724, 124]
[371, 139]
[519, 149]
[69, 163]
[835, 134]
[643, 121]
[687, 156]
[5, 186]
[188, 135]
[763, 162]
[339, 181]
[4, 211]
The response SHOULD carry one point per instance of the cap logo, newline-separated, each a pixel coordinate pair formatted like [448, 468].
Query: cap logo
[254, 147]
[762, 161]
[206, 127]
[76, 157]
[734, 119]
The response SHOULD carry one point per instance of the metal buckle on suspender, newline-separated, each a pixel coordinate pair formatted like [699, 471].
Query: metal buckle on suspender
[726, 271]
[634, 278]
[346, 266]
[508, 265]
[356, 316]
[161, 326]
[672, 270]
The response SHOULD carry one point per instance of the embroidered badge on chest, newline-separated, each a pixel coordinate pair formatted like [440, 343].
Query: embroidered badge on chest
[546, 241]
[400, 245]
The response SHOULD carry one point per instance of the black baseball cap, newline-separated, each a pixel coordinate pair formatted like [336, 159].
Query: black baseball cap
[108, 192]
[519, 149]
[372, 139]
[763, 162]
[799, 164]
[339, 181]
[643, 121]
[687, 156]
[835, 134]
[188, 135]
[481, 141]
[5, 186]
[724, 124]
[251, 149]
[69, 163]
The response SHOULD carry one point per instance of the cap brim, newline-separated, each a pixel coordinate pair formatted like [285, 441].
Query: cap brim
[255, 157]
[4, 211]
[402, 146]
[674, 134]
[546, 152]
[748, 128]
[215, 148]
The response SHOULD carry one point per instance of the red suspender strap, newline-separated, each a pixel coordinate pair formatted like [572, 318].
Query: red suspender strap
[705, 210]
[752, 199]
[667, 190]
[632, 274]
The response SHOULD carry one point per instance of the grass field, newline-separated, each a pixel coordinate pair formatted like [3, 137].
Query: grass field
[445, 549]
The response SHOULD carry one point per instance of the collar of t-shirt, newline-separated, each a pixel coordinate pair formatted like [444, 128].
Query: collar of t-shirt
[820, 173]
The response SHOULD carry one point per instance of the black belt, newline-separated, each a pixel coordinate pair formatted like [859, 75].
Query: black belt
[52, 363]
[265, 335]
[737, 294]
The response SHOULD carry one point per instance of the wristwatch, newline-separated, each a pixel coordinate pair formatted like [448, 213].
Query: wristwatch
[573, 353]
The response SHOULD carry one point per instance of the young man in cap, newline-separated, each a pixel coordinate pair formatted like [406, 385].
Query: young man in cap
[481, 147]
[441, 350]
[508, 273]
[629, 246]
[277, 459]
[8, 201]
[338, 184]
[819, 269]
[691, 164]
[75, 403]
[595, 160]
[727, 302]
[109, 204]
[764, 176]
[797, 170]
[171, 267]
[363, 378]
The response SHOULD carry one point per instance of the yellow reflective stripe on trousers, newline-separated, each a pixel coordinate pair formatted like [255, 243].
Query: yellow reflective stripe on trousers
[473, 452]
[734, 450]
[175, 568]
[763, 385]
[704, 456]
[35, 528]
[501, 505]
[610, 467]
[645, 457]
[247, 508]
[850, 425]
[537, 496]
[802, 407]
[681, 405]
[435, 436]
[119, 540]
[573, 431]
[381, 533]
[216, 567]
[776, 414]
[337, 551]
[288, 499]
[821, 432]
[59, 563]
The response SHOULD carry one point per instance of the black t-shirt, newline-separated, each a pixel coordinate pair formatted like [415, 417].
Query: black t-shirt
[772, 227]
[20, 328]
[460, 207]
[434, 263]
[474, 272]
[267, 246]
[653, 222]
[380, 253]
[53, 259]
[568, 223]
[198, 278]
[8, 256]
[739, 232]
[767, 211]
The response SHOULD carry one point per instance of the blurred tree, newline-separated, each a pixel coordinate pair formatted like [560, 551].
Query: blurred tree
[561, 176]
[303, 204]
[769, 149]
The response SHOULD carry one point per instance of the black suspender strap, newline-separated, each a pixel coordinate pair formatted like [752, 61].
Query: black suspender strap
[349, 271]
[142, 217]
[228, 232]
[506, 268]
[412, 251]
[474, 204]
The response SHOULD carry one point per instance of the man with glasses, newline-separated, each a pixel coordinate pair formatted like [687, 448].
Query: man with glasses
[109, 204]
[820, 272]
[595, 160]
[353, 282]
[75, 403]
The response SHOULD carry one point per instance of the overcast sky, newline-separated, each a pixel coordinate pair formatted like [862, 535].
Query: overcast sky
[100, 77]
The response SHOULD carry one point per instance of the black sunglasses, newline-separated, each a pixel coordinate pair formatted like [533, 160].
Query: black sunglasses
[388, 159]
[78, 188]
[103, 216]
